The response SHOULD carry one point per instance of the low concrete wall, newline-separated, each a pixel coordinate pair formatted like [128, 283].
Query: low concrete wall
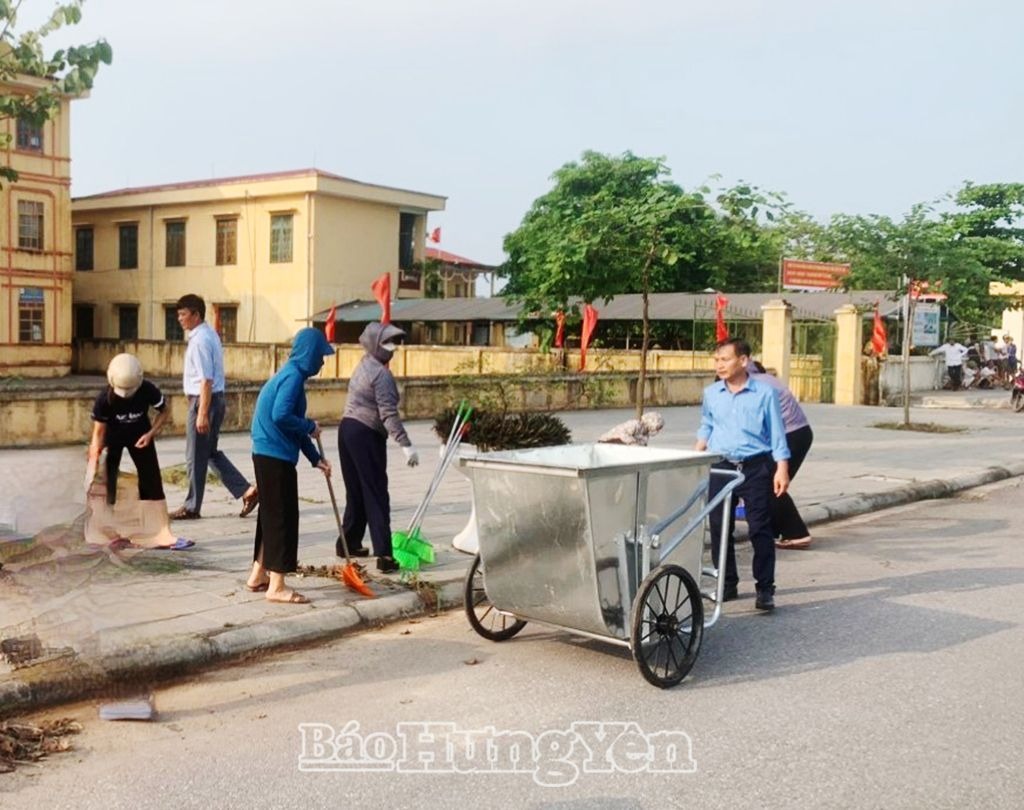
[34, 417]
[925, 375]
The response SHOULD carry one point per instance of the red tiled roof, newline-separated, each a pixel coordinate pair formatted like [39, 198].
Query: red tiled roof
[451, 258]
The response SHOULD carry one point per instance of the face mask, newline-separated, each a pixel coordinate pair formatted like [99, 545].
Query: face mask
[389, 347]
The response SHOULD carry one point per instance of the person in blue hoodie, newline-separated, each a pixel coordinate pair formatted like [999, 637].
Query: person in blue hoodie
[280, 430]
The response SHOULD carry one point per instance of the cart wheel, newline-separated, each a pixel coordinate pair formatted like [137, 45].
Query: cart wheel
[667, 625]
[482, 615]
[1018, 401]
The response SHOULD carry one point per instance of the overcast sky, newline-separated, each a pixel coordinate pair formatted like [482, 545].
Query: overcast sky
[859, 106]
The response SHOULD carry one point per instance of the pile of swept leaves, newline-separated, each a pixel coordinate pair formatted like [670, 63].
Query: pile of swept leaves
[506, 431]
[24, 743]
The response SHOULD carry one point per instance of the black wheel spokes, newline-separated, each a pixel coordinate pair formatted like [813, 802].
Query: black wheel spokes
[670, 626]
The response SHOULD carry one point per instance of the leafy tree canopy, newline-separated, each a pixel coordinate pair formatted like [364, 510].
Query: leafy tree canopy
[66, 72]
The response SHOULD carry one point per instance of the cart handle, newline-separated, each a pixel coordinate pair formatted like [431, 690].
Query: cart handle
[726, 492]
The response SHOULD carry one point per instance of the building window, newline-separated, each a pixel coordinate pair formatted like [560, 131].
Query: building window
[175, 255]
[481, 334]
[128, 246]
[226, 321]
[30, 225]
[128, 322]
[30, 315]
[30, 136]
[227, 241]
[280, 238]
[172, 329]
[83, 249]
[85, 321]
[406, 243]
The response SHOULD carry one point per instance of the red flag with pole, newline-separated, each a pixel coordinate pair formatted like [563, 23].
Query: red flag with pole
[216, 320]
[329, 326]
[382, 292]
[559, 329]
[435, 235]
[589, 325]
[721, 330]
[879, 338]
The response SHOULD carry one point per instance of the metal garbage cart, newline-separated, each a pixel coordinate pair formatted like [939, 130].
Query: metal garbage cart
[599, 540]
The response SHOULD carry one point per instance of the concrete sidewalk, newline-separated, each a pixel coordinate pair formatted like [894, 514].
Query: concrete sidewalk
[114, 622]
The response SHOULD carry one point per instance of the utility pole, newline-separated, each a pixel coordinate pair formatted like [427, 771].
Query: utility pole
[908, 329]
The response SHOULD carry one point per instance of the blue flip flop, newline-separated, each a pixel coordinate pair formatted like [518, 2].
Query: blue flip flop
[179, 545]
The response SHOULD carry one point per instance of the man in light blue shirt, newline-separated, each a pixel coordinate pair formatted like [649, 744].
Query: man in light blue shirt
[203, 382]
[741, 420]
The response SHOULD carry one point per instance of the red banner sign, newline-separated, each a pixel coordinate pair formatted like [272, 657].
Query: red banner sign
[801, 275]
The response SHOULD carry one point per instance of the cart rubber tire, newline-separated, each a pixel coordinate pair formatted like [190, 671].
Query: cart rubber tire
[667, 623]
[482, 615]
[1018, 401]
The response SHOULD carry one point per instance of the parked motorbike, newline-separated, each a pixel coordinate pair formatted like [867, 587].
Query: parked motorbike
[1017, 392]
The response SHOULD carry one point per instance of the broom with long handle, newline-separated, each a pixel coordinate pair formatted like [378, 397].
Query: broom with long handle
[349, 574]
[454, 438]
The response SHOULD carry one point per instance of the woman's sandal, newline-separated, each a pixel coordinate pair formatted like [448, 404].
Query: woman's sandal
[260, 588]
[798, 542]
[294, 598]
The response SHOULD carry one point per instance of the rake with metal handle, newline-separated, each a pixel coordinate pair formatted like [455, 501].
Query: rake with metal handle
[349, 574]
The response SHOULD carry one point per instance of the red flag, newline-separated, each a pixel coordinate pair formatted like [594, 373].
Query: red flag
[589, 325]
[435, 235]
[559, 329]
[721, 330]
[382, 292]
[330, 325]
[879, 339]
[216, 320]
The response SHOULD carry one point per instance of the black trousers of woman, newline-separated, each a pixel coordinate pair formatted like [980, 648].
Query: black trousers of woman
[364, 468]
[277, 522]
[151, 485]
[786, 520]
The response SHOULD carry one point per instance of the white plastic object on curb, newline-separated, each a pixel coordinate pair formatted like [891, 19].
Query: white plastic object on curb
[141, 709]
[412, 458]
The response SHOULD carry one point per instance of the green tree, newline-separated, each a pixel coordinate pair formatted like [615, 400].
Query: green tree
[66, 72]
[989, 221]
[610, 225]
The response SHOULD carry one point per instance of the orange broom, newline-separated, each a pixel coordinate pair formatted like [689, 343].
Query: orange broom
[349, 574]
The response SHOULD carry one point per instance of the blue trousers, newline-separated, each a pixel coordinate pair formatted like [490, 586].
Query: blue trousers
[201, 452]
[364, 468]
[757, 493]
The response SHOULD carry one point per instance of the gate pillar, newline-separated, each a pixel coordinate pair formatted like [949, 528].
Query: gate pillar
[849, 384]
[777, 337]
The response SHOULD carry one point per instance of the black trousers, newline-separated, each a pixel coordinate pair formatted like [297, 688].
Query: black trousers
[364, 468]
[151, 485]
[956, 375]
[277, 522]
[757, 492]
[786, 520]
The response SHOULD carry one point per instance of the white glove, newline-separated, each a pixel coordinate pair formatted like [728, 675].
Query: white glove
[412, 458]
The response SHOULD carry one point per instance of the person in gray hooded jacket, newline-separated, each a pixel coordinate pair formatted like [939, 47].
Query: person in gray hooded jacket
[371, 413]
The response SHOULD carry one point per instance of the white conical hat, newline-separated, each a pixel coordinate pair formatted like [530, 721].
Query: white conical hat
[125, 374]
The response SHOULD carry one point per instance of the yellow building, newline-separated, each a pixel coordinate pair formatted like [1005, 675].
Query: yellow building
[265, 252]
[35, 242]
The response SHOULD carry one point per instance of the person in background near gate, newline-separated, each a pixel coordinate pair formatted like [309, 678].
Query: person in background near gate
[789, 527]
[280, 430]
[371, 413]
[1011, 355]
[954, 353]
[203, 381]
[741, 420]
[121, 420]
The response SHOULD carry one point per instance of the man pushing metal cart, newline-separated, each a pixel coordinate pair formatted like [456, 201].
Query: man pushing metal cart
[601, 540]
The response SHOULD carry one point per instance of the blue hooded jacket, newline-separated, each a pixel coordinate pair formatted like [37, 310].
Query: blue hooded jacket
[279, 425]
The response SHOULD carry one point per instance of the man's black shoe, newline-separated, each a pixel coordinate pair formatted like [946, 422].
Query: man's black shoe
[339, 550]
[731, 592]
[765, 600]
[387, 565]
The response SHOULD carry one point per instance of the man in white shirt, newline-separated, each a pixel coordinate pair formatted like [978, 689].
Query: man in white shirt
[203, 382]
[954, 353]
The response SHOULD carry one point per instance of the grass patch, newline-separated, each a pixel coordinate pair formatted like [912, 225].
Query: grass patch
[920, 427]
[177, 476]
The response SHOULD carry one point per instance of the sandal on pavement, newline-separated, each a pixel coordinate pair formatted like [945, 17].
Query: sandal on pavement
[249, 502]
[797, 542]
[178, 545]
[257, 588]
[294, 598]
